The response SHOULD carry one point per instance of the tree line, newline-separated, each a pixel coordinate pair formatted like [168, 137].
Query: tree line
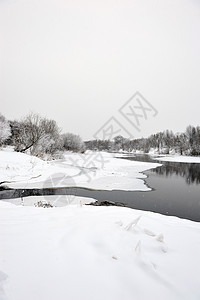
[42, 137]
[186, 143]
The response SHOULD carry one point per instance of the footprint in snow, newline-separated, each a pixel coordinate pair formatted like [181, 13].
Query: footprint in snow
[160, 239]
[132, 224]
[148, 232]
[143, 260]
[119, 223]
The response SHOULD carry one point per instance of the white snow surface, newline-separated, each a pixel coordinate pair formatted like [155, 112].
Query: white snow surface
[179, 158]
[96, 253]
[55, 200]
[95, 170]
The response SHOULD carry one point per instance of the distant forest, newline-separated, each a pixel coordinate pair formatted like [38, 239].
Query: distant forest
[43, 138]
[166, 142]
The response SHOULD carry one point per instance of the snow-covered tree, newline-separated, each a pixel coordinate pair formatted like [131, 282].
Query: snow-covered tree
[119, 141]
[37, 135]
[5, 130]
[168, 138]
[180, 143]
[99, 145]
[193, 139]
[73, 142]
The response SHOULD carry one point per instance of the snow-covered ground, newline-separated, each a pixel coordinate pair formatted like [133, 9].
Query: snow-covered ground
[179, 158]
[96, 253]
[54, 200]
[81, 252]
[95, 170]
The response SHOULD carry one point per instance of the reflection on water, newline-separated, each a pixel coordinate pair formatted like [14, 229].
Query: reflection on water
[176, 189]
[191, 172]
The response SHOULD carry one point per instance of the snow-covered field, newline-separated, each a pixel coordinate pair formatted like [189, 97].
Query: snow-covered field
[96, 253]
[179, 158]
[80, 252]
[96, 170]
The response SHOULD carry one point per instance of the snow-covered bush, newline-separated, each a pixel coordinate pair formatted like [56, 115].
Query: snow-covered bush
[43, 204]
[72, 142]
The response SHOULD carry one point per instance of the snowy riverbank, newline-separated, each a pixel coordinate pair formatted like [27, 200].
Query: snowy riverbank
[179, 158]
[96, 170]
[94, 253]
[81, 252]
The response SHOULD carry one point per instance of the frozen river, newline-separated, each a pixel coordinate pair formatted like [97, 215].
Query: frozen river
[175, 190]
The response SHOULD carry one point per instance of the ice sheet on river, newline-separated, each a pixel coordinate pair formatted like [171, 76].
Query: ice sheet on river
[95, 170]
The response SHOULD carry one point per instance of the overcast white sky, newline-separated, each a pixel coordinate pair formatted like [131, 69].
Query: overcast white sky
[79, 61]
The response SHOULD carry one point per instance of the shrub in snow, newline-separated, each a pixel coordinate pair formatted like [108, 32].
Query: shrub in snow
[54, 156]
[43, 204]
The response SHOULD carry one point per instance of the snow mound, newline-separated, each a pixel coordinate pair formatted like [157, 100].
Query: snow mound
[16, 166]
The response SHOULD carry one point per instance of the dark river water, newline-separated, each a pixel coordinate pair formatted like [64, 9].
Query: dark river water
[175, 190]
